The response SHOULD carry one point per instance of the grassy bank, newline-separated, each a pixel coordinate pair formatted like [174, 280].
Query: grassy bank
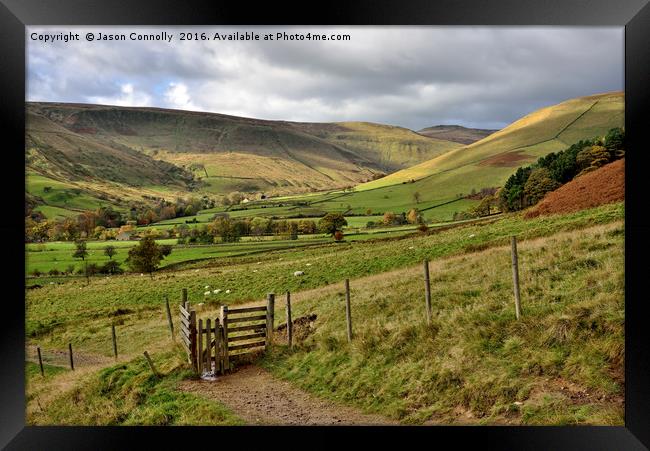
[562, 363]
[122, 394]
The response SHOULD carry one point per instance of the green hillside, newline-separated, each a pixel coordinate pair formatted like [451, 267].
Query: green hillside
[486, 163]
[230, 153]
[546, 130]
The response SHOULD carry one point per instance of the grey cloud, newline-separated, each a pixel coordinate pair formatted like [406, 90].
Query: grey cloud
[409, 76]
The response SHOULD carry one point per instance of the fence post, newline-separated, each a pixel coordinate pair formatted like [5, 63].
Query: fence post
[348, 313]
[169, 317]
[153, 368]
[208, 345]
[427, 290]
[270, 317]
[40, 360]
[199, 356]
[515, 275]
[114, 340]
[71, 360]
[289, 323]
[184, 296]
[193, 338]
[224, 325]
[218, 352]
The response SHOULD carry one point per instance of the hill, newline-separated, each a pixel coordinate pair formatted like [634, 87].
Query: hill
[456, 133]
[602, 186]
[231, 153]
[444, 180]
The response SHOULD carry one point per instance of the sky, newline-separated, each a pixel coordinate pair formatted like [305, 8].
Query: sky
[415, 77]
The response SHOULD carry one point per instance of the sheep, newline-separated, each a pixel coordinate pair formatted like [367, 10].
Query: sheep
[307, 264]
[472, 236]
[207, 293]
[217, 291]
[298, 273]
[227, 291]
[207, 287]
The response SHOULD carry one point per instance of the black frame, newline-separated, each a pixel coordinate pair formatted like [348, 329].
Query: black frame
[633, 14]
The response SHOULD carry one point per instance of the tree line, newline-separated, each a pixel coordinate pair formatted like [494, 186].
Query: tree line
[529, 184]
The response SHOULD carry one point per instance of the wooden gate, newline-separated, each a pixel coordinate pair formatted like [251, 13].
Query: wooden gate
[211, 343]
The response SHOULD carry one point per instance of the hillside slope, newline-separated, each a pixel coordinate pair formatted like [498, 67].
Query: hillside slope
[230, 153]
[456, 133]
[486, 163]
[602, 186]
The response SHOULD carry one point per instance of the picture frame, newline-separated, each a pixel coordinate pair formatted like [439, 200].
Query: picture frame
[634, 15]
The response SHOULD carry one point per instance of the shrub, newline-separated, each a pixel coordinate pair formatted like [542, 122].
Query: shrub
[111, 267]
[36, 273]
[53, 272]
[338, 235]
[92, 269]
[423, 228]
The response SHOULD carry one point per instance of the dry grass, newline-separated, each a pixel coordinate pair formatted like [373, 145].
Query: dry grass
[475, 362]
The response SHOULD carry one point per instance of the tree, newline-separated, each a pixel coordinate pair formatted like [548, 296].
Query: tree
[109, 251]
[332, 222]
[414, 216]
[417, 197]
[538, 184]
[82, 253]
[615, 142]
[145, 257]
[389, 218]
[591, 158]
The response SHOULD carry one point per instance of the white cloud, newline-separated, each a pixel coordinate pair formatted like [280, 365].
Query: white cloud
[177, 96]
[127, 97]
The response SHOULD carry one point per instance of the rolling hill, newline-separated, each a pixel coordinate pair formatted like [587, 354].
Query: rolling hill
[233, 153]
[456, 133]
[443, 180]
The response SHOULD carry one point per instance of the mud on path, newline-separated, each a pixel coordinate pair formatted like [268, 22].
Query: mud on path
[258, 398]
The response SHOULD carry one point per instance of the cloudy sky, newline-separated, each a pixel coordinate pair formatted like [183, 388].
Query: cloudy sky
[483, 77]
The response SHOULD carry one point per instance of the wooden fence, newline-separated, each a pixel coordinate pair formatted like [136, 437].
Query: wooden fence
[211, 342]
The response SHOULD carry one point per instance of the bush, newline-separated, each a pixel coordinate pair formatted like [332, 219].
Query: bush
[423, 228]
[338, 235]
[36, 273]
[111, 267]
[92, 269]
[53, 272]
[69, 269]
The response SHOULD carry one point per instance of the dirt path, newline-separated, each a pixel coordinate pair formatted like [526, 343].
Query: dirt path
[258, 398]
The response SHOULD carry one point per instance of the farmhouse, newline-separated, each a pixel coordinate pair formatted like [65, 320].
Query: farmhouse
[123, 236]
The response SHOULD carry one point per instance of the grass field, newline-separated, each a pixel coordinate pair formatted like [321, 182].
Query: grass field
[561, 364]
[571, 276]
[251, 277]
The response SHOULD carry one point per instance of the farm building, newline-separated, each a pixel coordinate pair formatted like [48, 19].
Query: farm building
[123, 236]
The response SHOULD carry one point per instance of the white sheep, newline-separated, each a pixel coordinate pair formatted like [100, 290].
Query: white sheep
[217, 291]
[472, 235]
[307, 264]
[207, 293]
[207, 287]
[227, 291]
[298, 273]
